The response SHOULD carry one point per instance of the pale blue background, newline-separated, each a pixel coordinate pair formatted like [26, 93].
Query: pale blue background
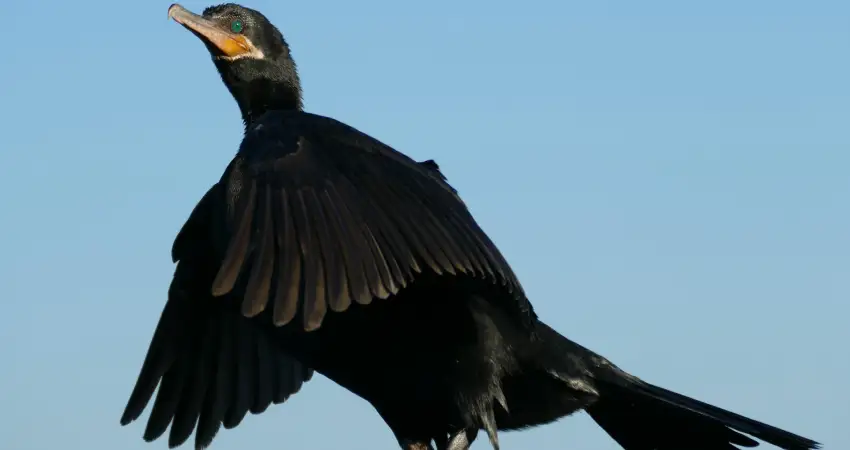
[669, 179]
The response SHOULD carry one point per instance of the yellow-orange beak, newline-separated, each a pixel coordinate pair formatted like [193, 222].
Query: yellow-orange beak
[230, 44]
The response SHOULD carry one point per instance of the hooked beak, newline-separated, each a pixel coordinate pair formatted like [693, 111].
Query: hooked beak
[231, 45]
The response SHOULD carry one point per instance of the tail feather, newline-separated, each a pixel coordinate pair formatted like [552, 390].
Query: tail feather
[640, 416]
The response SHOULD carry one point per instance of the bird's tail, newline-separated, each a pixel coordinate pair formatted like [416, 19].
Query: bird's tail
[640, 416]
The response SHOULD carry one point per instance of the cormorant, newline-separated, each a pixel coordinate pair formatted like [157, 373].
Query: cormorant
[321, 248]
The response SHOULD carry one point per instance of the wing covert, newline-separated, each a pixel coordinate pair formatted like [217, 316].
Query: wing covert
[321, 215]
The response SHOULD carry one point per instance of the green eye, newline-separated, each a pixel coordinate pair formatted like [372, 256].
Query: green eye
[236, 26]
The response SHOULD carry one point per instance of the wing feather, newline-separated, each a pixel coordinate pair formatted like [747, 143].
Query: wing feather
[289, 269]
[340, 300]
[496, 269]
[238, 248]
[405, 228]
[283, 383]
[351, 239]
[170, 390]
[382, 271]
[265, 375]
[370, 265]
[485, 264]
[215, 405]
[243, 396]
[313, 316]
[354, 205]
[259, 282]
[334, 272]
[428, 228]
[313, 281]
[399, 247]
[467, 253]
[393, 277]
[189, 407]
[439, 245]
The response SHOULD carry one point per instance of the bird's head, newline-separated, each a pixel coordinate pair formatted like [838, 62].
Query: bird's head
[250, 54]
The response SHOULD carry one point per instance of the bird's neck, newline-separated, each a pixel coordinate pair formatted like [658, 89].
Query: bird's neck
[259, 97]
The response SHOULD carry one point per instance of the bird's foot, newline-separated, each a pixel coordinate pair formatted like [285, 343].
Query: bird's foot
[416, 445]
[461, 440]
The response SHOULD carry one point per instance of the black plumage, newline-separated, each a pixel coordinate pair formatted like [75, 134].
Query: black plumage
[321, 248]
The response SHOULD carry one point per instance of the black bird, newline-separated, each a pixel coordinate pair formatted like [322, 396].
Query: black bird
[322, 248]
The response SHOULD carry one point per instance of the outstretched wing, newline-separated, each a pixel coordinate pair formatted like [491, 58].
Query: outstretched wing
[320, 215]
[212, 364]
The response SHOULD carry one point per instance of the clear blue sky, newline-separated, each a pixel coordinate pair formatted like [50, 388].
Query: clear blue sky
[669, 180]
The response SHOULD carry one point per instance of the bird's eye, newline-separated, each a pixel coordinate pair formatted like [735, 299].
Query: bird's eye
[236, 26]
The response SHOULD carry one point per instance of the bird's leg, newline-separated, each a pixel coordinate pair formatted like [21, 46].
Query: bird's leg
[441, 441]
[461, 440]
[408, 444]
